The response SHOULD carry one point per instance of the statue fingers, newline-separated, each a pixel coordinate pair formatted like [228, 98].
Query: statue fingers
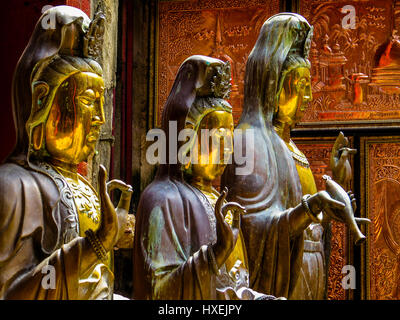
[102, 182]
[221, 199]
[118, 184]
[234, 207]
[352, 200]
[328, 201]
[362, 220]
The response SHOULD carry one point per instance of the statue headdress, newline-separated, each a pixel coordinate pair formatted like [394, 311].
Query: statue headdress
[214, 99]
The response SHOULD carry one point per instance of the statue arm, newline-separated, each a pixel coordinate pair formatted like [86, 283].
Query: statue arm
[299, 220]
[55, 277]
[312, 209]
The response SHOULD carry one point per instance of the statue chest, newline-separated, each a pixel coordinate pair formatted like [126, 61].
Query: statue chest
[86, 203]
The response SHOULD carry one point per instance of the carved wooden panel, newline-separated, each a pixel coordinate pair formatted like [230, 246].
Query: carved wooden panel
[348, 87]
[223, 29]
[381, 158]
[318, 152]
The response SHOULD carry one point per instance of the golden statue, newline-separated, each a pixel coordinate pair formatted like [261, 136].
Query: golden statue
[57, 233]
[279, 195]
[188, 243]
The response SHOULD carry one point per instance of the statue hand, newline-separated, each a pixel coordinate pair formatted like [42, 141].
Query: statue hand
[108, 231]
[352, 200]
[125, 241]
[339, 162]
[226, 235]
[123, 205]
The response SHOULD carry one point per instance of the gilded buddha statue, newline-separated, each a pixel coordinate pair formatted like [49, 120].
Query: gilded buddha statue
[188, 243]
[280, 197]
[51, 218]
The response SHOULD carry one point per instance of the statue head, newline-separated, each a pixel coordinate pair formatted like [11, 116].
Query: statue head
[282, 46]
[210, 122]
[67, 97]
[294, 91]
[197, 103]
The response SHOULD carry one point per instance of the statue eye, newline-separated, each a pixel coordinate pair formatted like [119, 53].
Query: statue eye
[302, 84]
[86, 100]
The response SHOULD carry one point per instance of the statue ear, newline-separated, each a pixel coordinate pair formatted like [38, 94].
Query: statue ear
[40, 90]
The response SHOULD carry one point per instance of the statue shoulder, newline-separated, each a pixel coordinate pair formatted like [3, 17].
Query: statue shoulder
[160, 193]
[12, 176]
[18, 184]
[14, 180]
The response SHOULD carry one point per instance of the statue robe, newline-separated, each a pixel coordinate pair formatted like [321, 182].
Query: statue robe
[175, 223]
[173, 229]
[313, 279]
[268, 193]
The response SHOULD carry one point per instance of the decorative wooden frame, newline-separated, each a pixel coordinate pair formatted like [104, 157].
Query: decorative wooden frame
[370, 231]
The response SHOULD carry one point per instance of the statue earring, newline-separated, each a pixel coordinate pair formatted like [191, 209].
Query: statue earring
[37, 136]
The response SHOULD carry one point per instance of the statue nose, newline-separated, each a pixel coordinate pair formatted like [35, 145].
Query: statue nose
[96, 119]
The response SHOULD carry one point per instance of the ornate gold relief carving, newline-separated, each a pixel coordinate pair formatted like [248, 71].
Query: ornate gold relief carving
[348, 86]
[222, 29]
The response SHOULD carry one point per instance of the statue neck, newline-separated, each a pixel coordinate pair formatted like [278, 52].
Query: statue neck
[68, 170]
[202, 184]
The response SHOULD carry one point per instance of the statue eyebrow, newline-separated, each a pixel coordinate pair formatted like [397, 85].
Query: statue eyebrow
[89, 92]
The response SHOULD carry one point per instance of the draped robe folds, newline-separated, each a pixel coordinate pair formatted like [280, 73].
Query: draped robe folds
[173, 230]
[33, 226]
[268, 193]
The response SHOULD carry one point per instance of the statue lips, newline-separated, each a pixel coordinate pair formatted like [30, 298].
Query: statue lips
[93, 135]
[347, 214]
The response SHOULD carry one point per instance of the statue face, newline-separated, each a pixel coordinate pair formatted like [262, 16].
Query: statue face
[295, 96]
[210, 160]
[74, 121]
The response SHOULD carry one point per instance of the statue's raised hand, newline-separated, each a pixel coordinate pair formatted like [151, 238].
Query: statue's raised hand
[226, 235]
[123, 205]
[109, 229]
